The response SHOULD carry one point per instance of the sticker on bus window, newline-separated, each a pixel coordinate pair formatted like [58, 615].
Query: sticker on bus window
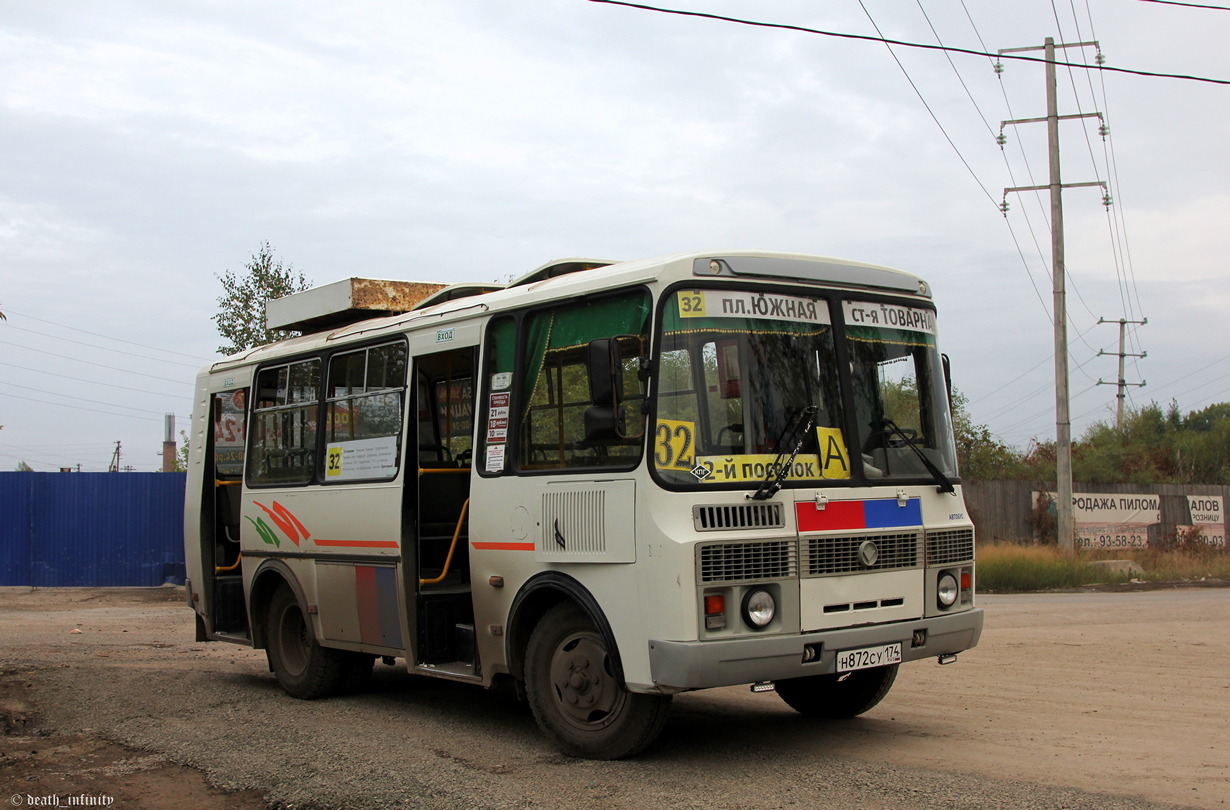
[674, 443]
[363, 458]
[834, 458]
[495, 458]
[758, 467]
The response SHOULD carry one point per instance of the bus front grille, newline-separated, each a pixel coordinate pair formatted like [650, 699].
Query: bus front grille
[745, 562]
[856, 554]
[952, 546]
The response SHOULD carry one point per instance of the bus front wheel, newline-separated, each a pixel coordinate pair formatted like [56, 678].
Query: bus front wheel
[575, 696]
[838, 695]
[304, 669]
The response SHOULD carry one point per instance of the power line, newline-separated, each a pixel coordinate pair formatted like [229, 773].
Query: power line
[79, 399]
[920, 45]
[83, 408]
[930, 112]
[200, 362]
[105, 349]
[96, 365]
[90, 382]
[1189, 5]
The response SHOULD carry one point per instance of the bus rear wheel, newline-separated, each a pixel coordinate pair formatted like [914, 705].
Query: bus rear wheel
[575, 696]
[838, 695]
[304, 669]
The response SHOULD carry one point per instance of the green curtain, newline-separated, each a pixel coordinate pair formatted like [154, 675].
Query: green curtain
[561, 329]
[892, 337]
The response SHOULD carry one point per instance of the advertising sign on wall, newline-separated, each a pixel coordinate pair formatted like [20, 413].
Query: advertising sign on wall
[1111, 521]
[1208, 520]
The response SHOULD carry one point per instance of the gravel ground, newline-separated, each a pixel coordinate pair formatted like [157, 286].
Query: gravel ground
[1072, 701]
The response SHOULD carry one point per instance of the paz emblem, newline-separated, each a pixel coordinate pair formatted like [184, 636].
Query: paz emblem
[868, 553]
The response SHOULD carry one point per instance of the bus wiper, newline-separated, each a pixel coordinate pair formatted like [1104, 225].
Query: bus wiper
[893, 429]
[777, 473]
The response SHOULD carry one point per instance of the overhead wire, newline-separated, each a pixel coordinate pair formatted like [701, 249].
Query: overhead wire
[106, 349]
[77, 379]
[902, 43]
[930, 112]
[199, 361]
[1188, 5]
[96, 365]
[79, 399]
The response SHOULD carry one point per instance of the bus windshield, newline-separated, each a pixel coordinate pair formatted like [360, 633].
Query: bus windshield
[749, 388]
[900, 396]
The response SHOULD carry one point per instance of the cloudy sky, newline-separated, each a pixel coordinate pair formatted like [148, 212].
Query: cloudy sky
[150, 146]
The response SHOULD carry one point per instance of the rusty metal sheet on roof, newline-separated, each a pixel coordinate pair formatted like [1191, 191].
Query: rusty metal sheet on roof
[345, 302]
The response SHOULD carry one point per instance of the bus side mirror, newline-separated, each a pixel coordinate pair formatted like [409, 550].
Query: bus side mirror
[604, 373]
[610, 375]
[605, 385]
[944, 361]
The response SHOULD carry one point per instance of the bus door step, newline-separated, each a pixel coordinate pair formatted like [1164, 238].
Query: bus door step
[459, 670]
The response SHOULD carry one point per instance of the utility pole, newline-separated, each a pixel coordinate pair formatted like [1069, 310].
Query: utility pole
[1063, 421]
[1122, 353]
[115, 459]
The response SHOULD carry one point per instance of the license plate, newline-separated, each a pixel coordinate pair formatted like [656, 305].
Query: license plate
[867, 657]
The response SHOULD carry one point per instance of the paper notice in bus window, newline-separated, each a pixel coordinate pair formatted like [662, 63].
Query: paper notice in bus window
[363, 458]
[834, 458]
[495, 458]
[673, 444]
[758, 467]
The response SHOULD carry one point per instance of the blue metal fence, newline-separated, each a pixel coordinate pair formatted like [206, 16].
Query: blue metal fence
[91, 529]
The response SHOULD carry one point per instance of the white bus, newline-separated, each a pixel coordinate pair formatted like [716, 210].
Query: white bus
[605, 484]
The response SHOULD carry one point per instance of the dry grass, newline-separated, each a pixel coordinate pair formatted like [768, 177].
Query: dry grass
[1008, 567]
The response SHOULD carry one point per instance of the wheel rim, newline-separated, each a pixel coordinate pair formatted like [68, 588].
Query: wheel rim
[586, 693]
[293, 640]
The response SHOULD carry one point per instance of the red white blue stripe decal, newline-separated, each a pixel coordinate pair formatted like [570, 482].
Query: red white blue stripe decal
[844, 515]
[376, 590]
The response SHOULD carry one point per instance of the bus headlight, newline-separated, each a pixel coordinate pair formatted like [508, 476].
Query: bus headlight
[947, 590]
[759, 608]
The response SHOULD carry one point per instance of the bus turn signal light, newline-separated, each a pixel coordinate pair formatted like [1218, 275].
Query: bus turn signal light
[715, 611]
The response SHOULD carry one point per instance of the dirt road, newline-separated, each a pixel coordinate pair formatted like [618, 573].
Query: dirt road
[1071, 700]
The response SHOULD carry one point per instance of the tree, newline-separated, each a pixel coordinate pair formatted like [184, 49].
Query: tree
[980, 456]
[24, 467]
[241, 313]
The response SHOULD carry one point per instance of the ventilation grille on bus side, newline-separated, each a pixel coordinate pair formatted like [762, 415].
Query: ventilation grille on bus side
[741, 562]
[732, 517]
[840, 555]
[952, 546]
[574, 522]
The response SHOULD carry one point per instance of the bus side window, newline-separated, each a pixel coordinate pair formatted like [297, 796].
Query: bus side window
[554, 384]
[364, 413]
[499, 363]
[284, 424]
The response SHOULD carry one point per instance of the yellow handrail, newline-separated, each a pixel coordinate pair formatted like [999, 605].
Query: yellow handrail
[219, 569]
[452, 547]
[438, 470]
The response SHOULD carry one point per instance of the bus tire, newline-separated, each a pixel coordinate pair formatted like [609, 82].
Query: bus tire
[838, 695]
[576, 698]
[304, 669]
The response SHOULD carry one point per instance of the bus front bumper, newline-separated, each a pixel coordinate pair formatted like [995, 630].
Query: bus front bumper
[680, 665]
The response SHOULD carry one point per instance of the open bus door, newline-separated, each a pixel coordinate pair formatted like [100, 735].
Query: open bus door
[223, 489]
[437, 513]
